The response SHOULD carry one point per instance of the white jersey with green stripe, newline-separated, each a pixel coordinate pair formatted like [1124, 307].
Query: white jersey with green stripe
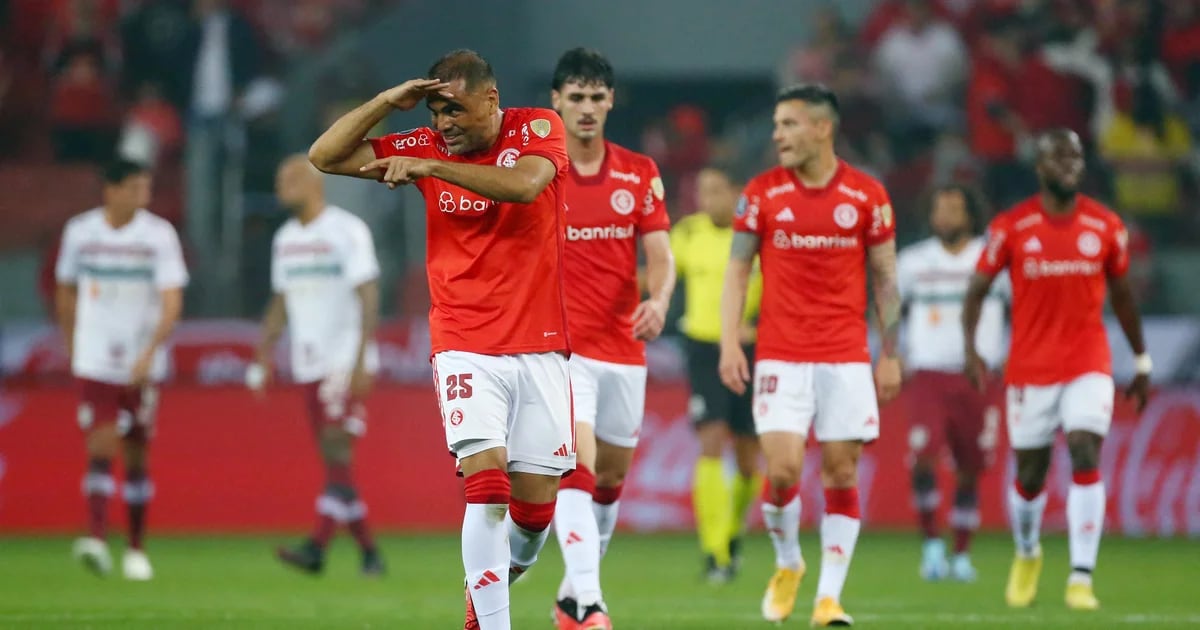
[119, 274]
[317, 267]
[933, 283]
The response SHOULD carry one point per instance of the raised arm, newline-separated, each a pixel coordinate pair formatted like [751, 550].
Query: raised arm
[343, 148]
[735, 370]
[520, 184]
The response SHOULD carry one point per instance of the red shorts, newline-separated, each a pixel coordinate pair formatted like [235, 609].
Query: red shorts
[944, 409]
[329, 402]
[132, 408]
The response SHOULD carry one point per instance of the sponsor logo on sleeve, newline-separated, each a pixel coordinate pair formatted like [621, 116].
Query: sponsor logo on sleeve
[742, 202]
[656, 186]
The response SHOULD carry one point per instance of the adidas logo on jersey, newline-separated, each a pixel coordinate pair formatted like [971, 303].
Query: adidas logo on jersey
[785, 215]
[1033, 245]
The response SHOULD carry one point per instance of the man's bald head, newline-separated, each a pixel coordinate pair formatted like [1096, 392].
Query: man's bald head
[298, 184]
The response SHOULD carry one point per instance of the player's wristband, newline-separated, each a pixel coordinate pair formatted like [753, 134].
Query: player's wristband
[256, 376]
[1142, 363]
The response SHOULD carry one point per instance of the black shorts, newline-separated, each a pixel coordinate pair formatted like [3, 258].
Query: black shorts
[710, 399]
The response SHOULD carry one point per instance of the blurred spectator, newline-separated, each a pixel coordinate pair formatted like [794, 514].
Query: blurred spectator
[922, 64]
[83, 25]
[860, 137]
[1181, 42]
[223, 58]
[814, 62]
[994, 124]
[890, 13]
[156, 42]
[82, 111]
[1148, 148]
[153, 130]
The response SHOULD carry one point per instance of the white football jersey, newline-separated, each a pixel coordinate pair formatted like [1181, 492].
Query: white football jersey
[317, 267]
[119, 275]
[933, 284]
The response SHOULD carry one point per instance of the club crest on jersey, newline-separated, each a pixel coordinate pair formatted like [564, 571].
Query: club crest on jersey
[508, 158]
[1088, 244]
[540, 127]
[845, 215]
[622, 201]
[456, 417]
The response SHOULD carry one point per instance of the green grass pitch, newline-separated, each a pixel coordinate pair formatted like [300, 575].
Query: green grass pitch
[651, 583]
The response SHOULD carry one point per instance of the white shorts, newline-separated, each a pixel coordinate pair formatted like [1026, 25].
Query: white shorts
[611, 397]
[521, 402]
[1035, 412]
[840, 397]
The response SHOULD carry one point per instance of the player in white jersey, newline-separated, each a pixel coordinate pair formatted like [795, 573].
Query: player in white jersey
[120, 277]
[944, 410]
[324, 276]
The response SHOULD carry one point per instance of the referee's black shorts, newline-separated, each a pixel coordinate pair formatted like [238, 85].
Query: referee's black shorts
[710, 399]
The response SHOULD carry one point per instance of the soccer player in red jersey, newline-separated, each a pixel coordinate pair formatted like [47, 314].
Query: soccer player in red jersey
[614, 196]
[1061, 249]
[493, 181]
[817, 225]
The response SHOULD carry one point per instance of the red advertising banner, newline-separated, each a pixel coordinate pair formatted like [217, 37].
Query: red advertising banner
[224, 460]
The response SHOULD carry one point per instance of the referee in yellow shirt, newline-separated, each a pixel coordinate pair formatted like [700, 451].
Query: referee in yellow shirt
[701, 245]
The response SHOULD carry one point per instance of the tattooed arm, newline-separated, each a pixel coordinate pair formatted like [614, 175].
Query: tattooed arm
[734, 368]
[881, 259]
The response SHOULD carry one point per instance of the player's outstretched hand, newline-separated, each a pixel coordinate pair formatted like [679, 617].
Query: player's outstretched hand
[734, 369]
[398, 170]
[408, 94]
[887, 378]
[648, 320]
[976, 370]
[1139, 391]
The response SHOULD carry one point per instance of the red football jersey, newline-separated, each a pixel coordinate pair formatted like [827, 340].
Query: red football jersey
[814, 262]
[605, 214]
[495, 268]
[1059, 266]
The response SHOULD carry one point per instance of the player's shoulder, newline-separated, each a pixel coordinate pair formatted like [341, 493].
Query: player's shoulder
[775, 179]
[627, 159]
[1094, 212]
[858, 178]
[538, 120]
[85, 219]
[344, 218]
[918, 250]
[1022, 215]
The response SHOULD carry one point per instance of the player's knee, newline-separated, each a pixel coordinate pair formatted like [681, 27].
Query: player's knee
[840, 473]
[343, 492]
[335, 445]
[711, 434]
[783, 475]
[923, 478]
[1085, 450]
[610, 478]
[1031, 480]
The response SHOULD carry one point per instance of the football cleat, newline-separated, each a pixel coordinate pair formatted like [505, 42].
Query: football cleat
[306, 557]
[372, 564]
[715, 574]
[735, 557]
[934, 567]
[566, 614]
[1023, 579]
[780, 598]
[136, 566]
[1080, 596]
[961, 569]
[93, 553]
[829, 613]
[595, 617]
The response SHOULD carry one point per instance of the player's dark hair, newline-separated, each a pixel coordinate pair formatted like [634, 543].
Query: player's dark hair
[584, 66]
[464, 64]
[977, 209]
[119, 169]
[813, 94]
